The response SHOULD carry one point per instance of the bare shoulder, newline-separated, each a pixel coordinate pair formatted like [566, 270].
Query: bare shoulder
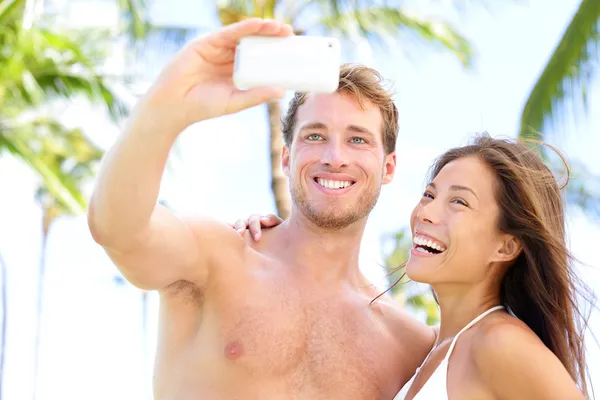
[223, 245]
[219, 248]
[210, 230]
[514, 363]
[504, 340]
[409, 331]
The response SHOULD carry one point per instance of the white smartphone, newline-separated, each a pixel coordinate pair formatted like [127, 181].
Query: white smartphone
[298, 63]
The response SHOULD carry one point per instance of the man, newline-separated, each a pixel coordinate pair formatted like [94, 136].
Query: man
[289, 317]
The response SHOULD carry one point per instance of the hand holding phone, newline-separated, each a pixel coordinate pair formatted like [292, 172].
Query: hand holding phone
[299, 63]
[197, 82]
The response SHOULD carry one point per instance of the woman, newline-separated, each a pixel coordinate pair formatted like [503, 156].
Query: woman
[489, 237]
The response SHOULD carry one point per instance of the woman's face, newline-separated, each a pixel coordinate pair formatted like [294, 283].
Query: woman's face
[454, 226]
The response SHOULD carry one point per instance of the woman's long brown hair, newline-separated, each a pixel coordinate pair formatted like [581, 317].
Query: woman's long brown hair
[541, 287]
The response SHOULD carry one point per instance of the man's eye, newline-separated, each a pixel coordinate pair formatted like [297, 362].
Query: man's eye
[357, 140]
[314, 136]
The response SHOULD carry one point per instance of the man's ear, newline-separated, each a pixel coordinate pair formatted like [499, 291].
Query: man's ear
[389, 167]
[285, 161]
[509, 249]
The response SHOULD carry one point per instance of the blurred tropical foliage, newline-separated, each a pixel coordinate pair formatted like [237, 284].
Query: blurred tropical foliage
[41, 65]
[561, 91]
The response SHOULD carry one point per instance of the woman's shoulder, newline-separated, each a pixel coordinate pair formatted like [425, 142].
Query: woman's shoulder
[502, 333]
[512, 360]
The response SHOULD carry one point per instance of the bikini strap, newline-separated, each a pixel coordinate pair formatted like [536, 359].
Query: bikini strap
[470, 324]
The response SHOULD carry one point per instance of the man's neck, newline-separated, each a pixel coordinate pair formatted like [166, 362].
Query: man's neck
[321, 254]
[460, 304]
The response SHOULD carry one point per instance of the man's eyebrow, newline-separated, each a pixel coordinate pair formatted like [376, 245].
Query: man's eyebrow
[313, 125]
[457, 188]
[359, 129]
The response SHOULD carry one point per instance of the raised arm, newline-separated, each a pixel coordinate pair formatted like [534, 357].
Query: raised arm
[151, 246]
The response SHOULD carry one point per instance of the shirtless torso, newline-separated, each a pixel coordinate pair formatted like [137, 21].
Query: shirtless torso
[261, 330]
[289, 317]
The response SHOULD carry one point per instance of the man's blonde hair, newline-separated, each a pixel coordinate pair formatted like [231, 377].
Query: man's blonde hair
[365, 85]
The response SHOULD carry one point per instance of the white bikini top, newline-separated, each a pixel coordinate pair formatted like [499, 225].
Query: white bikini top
[436, 387]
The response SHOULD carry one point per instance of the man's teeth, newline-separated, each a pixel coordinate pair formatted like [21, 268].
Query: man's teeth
[423, 241]
[330, 184]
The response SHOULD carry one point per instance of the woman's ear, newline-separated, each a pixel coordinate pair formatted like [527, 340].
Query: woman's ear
[509, 249]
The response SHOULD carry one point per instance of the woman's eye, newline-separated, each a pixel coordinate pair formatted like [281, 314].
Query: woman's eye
[427, 194]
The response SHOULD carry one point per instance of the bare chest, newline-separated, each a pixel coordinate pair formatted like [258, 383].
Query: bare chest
[272, 328]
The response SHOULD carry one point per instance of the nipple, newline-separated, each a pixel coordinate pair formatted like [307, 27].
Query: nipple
[233, 350]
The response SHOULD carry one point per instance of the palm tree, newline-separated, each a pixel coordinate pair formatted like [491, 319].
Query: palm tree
[563, 86]
[37, 66]
[347, 19]
[72, 153]
[403, 290]
[567, 76]
[3, 327]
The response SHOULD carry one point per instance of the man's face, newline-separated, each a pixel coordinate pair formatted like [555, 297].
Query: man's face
[337, 163]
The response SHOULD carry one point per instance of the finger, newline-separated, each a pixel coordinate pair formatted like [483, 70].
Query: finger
[242, 99]
[254, 226]
[270, 220]
[275, 28]
[231, 34]
[240, 226]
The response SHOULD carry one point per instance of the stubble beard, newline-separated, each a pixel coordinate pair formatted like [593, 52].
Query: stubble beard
[332, 218]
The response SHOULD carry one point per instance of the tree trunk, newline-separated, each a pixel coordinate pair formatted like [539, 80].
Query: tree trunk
[3, 268]
[279, 185]
[38, 317]
[47, 219]
[145, 328]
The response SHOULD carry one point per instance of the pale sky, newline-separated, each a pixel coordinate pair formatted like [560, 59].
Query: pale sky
[93, 345]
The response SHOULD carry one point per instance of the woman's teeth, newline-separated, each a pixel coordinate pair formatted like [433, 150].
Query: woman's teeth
[427, 245]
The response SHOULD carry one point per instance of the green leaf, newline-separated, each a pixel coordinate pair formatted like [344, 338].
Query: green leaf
[67, 195]
[62, 157]
[376, 23]
[46, 65]
[565, 80]
[7, 7]
[134, 18]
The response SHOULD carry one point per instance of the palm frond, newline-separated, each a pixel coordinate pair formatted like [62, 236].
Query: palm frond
[7, 7]
[62, 157]
[134, 18]
[376, 23]
[567, 76]
[52, 179]
[46, 65]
